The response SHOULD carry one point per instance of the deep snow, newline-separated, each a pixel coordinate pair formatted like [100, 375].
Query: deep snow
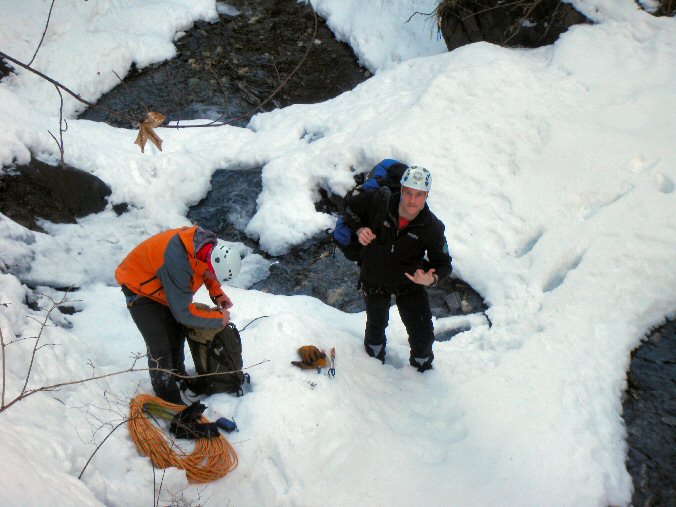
[553, 170]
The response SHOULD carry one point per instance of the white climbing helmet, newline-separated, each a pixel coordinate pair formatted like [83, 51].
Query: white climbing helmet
[226, 261]
[417, 178]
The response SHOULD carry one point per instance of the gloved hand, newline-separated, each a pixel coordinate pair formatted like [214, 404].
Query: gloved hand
[203, 430]
[311, 357]
[185, 424]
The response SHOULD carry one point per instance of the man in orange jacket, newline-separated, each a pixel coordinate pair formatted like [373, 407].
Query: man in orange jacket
[159, 279]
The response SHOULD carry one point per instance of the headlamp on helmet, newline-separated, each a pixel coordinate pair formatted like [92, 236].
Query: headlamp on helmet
[417, 178]
[225, 261]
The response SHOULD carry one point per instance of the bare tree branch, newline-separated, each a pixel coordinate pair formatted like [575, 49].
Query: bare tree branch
[37, 342]
[416, 13]
[67, 90]
[140, 102]
[132, 369]
[59, 142]
[44, 32]
[2, 342]
[99, 446]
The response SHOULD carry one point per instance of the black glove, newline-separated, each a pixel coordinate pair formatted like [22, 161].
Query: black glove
[185, 424]
[203, 430]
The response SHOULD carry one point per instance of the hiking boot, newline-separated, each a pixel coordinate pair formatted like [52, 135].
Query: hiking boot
[377, 351]
[421, 363]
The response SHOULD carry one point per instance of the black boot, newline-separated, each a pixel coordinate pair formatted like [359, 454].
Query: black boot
[422, 363]
[377, 351]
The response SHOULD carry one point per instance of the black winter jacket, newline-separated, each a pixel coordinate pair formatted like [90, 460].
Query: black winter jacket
[384, 261]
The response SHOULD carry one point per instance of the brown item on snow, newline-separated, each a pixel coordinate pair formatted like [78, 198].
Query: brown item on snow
[312, 358]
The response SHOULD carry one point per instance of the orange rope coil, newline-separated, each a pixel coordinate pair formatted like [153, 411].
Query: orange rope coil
[211, 459]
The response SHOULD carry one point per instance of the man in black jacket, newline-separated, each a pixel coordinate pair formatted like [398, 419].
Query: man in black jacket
[397, 231]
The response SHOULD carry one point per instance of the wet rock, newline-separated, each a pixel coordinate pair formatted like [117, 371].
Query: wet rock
[663, 8]
[54, 193]
[5, 69]
[521, 23]
[453, 301]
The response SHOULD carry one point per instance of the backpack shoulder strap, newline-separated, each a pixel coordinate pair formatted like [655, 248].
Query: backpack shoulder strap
[381, 201]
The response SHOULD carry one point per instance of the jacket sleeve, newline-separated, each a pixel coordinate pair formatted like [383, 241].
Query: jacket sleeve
[213, 286]
[438, 254]
[176, 276]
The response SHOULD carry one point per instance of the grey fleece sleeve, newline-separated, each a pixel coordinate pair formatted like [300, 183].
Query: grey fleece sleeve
[176, 275]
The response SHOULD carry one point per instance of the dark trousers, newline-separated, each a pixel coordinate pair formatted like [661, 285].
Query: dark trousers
[414, 308]
[164, 338]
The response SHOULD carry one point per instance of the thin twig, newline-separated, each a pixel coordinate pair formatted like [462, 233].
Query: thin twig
[551, 21]
[155, 501]
[213, 123]
[17, 340]
[159, 490]
[67, 90]
[44, 32]
[279, 78]
[428, 14]
[217, 123]
[517, 24]
[39, 322]
[491, 9]
[59, 142]
[26, 393]
[124, 85]
[174, 95]
[99, 446]
[220, 85]
[4, 364]
[254, 320]
[37, 342]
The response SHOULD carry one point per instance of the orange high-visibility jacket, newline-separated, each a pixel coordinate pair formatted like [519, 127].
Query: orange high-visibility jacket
[164, 268]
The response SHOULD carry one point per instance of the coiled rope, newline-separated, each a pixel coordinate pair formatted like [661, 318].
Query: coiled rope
[211, 459]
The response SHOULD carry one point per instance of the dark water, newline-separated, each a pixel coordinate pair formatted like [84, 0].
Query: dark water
[650, 415]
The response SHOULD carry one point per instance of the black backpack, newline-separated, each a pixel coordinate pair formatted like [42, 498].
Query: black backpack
[221, 353]
[384, 178]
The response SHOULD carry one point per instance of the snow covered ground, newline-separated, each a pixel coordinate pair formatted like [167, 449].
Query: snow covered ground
[553, 170]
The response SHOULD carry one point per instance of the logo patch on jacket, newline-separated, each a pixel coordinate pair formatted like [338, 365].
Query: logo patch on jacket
[413, 235]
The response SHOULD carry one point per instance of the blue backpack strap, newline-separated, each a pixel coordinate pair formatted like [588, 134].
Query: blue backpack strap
[382, 201]
[342, 233]
[377, 177]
